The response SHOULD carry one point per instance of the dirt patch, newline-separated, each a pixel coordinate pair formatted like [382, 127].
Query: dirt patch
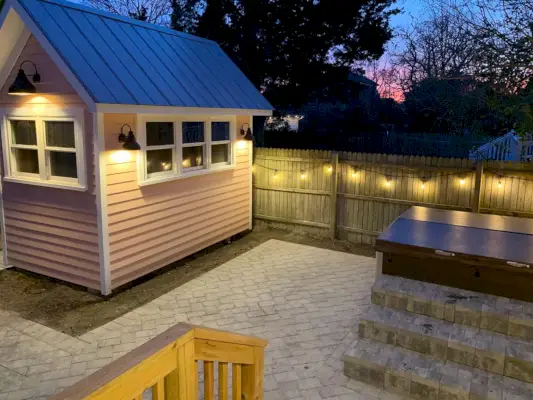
[73, 310]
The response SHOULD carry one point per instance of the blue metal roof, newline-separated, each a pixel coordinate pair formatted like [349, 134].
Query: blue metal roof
[120, 60]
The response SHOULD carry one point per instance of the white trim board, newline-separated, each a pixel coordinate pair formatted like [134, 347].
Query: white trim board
[101, 203]
[166, 110]
[31, 26]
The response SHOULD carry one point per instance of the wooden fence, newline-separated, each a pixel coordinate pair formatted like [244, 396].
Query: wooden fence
[355, 196]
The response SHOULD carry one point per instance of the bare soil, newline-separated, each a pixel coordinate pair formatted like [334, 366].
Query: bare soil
[73, 310]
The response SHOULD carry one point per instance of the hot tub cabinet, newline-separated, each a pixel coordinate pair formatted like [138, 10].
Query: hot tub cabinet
[124, 144]
[485, 253]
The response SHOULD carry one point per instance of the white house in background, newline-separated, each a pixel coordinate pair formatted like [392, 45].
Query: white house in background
[509, 147]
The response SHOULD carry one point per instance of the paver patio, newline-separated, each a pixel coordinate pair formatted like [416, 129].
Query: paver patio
[304, 300]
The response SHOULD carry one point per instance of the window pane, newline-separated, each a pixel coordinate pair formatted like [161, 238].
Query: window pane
[159, 133]
[220, 153]
[63, 164]
[24, 132]
[220, 131]
[158, 160]
[27, 161]
[193, 132]
[193, 156]
[60, 134]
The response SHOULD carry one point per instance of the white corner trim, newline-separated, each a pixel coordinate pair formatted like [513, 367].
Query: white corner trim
[3, 228]
[165, 110]
[101, 203]
[52, 53]
[250, 171]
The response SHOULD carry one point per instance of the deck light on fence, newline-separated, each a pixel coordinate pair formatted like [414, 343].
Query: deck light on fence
[387, 181]
[330, 168]
[246, 132]
[462, 181]
[500, 182]
[302, 174]
[128, 141]
[422, 185]
[275, 176]
[354, 173]
[22, 86]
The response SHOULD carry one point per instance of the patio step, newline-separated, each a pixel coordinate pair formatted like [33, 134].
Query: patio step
[417, 376]
[478, 310]
[442, 340]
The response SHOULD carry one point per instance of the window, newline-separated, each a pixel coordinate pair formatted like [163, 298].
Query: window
[160, 149]
[193, 145]
[44, 150]
[220, 143]
[176, 147]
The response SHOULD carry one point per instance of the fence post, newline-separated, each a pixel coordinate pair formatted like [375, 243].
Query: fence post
[476, 198]
[333, 197]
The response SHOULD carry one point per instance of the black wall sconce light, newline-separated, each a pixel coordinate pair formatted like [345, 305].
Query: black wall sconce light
[246, 133]
[22, 85]
[128, 141]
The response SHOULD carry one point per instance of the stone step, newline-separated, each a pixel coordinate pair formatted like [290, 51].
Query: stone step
[442, 340]
[479, 310]
[417, 376]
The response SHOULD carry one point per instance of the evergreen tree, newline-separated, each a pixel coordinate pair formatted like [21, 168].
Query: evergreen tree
[290, 48]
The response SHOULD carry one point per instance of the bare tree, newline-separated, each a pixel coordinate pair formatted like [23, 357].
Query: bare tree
[387, 76]
[504, 31]
[153, 11]
[438, 48]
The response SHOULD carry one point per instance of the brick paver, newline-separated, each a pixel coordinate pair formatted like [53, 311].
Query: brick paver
[304, 300]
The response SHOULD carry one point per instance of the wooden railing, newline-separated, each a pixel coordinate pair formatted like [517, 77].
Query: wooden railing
[168, 365]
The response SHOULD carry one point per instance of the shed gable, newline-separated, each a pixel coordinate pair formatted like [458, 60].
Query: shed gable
[54, 86]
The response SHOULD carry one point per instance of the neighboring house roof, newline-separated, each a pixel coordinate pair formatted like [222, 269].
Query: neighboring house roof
[361, 79]
[120, 60]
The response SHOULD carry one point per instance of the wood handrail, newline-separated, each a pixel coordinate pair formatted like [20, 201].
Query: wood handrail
[168, 365]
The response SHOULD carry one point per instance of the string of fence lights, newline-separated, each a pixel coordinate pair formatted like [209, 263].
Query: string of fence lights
[388, 177]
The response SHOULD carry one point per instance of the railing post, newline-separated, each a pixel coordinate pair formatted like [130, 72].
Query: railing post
[476, 197]
[253, 375]
[333, 197]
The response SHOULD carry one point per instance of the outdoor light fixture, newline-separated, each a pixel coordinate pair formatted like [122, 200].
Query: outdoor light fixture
[246, 133]
[387, 181]
[462, 181]
[500, 185]
[302, 174]
[276, 174]
[22, 86]
[128, 141]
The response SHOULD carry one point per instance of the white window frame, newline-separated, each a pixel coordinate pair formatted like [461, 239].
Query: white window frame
[178, 171]
[216, 142]
[145, 148]
[40, 115]
[181, 145]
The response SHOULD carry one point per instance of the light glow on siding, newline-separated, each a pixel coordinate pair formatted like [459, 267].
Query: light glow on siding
[120, 156]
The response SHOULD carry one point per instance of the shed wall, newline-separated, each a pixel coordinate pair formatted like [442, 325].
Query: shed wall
[153, 226]
[52, 231]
